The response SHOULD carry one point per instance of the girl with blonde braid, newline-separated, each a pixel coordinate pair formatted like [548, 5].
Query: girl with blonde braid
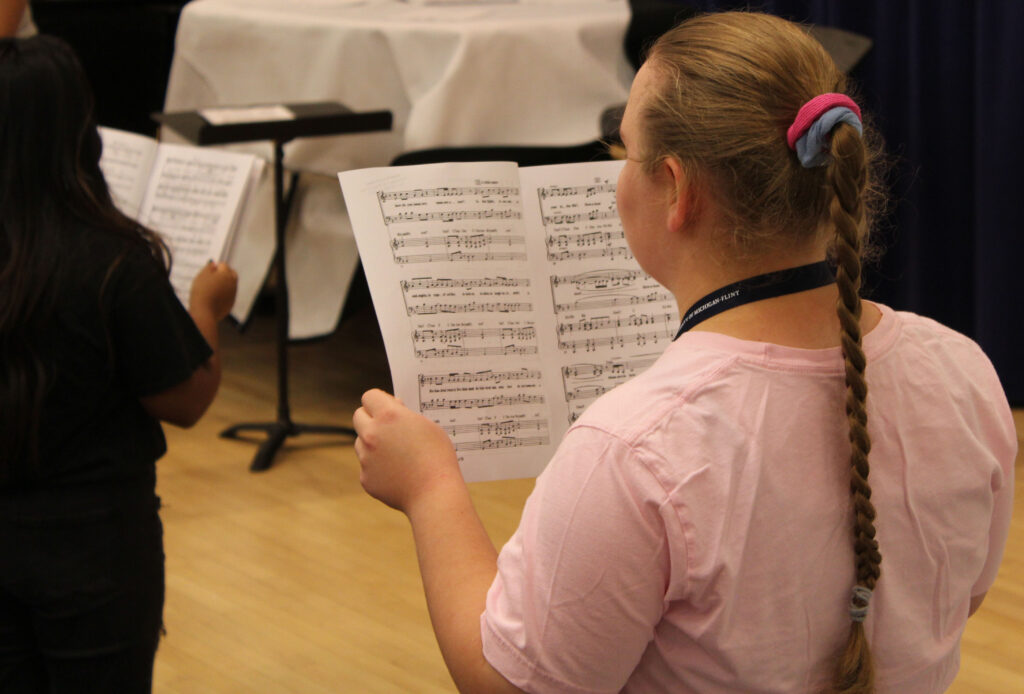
[718, 524]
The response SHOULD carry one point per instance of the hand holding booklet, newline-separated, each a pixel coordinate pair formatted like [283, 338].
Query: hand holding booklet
[192, 196]
[507, 297]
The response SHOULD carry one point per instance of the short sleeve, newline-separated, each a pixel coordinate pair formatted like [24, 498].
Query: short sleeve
[1000, 433]
[156, 344]
[582, 583]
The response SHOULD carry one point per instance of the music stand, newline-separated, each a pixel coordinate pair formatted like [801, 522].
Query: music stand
[311, 119]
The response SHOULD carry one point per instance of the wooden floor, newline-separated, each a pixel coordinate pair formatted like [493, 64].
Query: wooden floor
[293, 580]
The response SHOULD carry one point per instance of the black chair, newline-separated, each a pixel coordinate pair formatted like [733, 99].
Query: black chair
[522, 155]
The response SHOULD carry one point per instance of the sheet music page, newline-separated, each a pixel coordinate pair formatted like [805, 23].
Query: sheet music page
[445, 254]
[193, 202]
[604, 319]
[246, 114]
[250, 249]
[505, 309]
[126, 163]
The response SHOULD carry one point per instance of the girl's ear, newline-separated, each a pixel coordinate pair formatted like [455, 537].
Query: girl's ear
[679, 202]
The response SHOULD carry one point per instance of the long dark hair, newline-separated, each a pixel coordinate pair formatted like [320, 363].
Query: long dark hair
[51, 187]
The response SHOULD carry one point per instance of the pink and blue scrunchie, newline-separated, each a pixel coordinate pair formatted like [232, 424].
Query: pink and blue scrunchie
[808, 136]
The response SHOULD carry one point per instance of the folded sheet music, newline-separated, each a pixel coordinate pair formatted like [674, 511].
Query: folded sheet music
[192, 196]
[507, 298]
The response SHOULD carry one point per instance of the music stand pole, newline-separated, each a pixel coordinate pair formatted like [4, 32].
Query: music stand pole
[278, 431]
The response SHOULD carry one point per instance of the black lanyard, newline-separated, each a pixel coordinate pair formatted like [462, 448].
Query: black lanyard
[767, 286]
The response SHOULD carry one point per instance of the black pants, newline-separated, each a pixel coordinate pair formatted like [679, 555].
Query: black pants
[81, 595]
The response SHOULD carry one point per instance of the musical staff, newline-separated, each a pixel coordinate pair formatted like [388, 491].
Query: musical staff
[613, 301]
[474, 403]
[429, 309]
[638, 338]
[450, 216]
[632, 320]
[470, 392]
[197, 194]
[585, 191]
[616, 368]
[574, 217]
[504, 442]
[466, 377]
[459, 334]
[593, 238]
[458, 257]
[198, 174]
[470, 283]
[584, 382]
[457, 241]
[503, 428]
[587, 392]
[598, 280]
[459, 351]
[163, 218]
[608, 253]
[446, 192]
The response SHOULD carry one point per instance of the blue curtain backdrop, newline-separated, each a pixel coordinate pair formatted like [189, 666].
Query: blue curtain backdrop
[945, 82]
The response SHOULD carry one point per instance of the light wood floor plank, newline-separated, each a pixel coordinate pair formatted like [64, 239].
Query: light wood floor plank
[293, 580]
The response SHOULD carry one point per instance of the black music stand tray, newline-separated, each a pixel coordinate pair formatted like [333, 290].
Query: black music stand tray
[311, 119]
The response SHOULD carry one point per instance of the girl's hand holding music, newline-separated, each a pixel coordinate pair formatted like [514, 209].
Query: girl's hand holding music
[213, 290]
[403, 455]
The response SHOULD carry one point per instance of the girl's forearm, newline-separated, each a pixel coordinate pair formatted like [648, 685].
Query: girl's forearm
[458, 563]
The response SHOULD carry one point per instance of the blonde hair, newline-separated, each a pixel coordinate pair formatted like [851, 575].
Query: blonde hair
[729, 86]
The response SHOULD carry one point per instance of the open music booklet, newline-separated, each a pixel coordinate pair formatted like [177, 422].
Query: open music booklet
[192, 196]
[507, 298]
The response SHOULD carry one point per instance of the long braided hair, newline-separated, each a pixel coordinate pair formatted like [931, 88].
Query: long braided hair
[731, 85]
[846, 176]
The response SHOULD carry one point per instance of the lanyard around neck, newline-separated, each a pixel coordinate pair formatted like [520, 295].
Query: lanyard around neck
[766, 286]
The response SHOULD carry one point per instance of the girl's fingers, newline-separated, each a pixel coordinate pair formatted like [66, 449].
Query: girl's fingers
[375, 399]
[360, 418]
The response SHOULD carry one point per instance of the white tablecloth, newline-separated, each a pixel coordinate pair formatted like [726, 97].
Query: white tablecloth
[474, 73]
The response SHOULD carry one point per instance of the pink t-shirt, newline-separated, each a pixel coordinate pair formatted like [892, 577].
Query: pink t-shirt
[693, 531]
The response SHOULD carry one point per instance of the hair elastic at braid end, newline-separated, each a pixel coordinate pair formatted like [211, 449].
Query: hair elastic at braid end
[859, 603]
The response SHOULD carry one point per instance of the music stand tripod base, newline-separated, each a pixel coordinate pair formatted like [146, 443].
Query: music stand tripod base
[276, 434]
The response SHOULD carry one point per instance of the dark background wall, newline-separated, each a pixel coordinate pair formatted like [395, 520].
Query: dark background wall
[943, 82]
[126, 48]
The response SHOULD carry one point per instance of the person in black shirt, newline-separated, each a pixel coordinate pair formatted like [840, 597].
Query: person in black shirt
[95, 350]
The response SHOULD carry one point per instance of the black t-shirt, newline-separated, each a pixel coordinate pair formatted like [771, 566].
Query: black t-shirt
[118, 333]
